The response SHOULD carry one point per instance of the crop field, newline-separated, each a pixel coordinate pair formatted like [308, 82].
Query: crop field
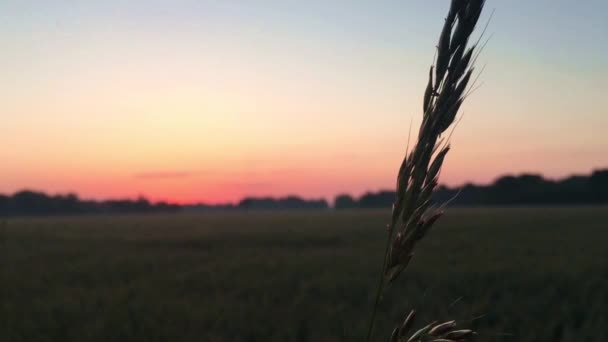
[516, 274]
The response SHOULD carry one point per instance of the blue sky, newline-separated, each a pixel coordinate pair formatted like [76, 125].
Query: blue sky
[96, 92]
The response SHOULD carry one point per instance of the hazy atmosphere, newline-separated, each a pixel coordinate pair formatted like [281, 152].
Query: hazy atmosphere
[211, 101]
[294, 171]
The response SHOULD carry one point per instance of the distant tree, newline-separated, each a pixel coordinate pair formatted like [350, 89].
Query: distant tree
[290, 202]
[599, 186]
[382, 199]
[68, 203]
[4, 205]
[525, 189]
[28, 202]
[344, 201]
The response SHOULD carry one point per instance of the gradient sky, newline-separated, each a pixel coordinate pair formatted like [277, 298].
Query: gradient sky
[214, 100]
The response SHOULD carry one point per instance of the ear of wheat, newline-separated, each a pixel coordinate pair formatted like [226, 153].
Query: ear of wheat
[433, 332]
[413, 214]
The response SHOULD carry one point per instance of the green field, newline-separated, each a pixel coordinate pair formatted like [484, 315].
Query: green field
[532, 274]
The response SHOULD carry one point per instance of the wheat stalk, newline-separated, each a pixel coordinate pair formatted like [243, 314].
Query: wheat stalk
[433, 332]
[413, 214]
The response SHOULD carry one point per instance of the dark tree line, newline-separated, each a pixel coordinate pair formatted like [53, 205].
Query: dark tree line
[264, 203]
[526, 189]
[290, 202]
[31, 203]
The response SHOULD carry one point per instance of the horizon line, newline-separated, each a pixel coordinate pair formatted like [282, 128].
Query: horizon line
[288, 195]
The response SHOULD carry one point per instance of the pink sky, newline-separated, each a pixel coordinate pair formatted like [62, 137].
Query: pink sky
[111, 101]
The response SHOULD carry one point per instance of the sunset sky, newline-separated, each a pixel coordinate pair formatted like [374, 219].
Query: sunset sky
[211, 101]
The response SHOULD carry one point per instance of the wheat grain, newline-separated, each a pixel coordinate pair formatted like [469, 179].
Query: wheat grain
[413, 214]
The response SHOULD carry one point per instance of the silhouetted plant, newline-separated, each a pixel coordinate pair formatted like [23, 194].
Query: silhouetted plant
[413, 214]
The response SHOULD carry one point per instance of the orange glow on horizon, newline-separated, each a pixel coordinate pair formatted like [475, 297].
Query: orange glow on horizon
[219, 101]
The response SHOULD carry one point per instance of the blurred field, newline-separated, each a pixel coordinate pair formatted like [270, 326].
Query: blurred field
[535, 274]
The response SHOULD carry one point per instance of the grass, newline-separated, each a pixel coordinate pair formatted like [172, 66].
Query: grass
[413, 211]
[535, 274]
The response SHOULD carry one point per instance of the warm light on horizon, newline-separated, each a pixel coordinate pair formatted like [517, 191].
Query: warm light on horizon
[211, 102]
